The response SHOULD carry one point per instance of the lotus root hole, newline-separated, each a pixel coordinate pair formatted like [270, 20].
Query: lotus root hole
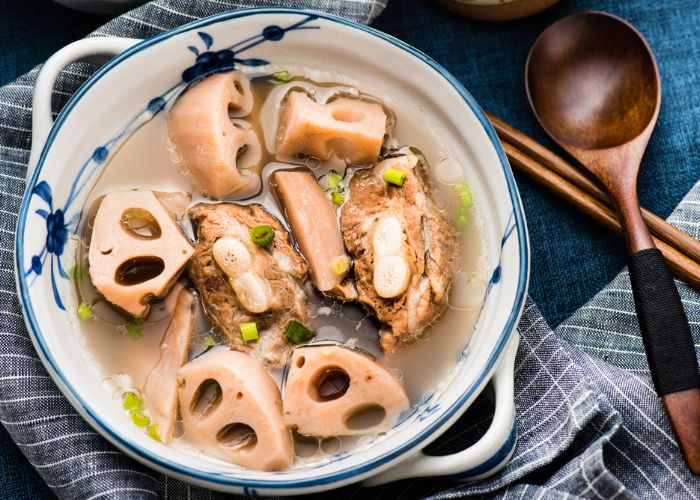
[141, 224]
[330, 384]
[139, 270]
[365, 417]
[206, 398]
[239, 395]
[237, 436]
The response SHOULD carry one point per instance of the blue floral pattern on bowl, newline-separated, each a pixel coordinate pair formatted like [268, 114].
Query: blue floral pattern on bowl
[207, 62]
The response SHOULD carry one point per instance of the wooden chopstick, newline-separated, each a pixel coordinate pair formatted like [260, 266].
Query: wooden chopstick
[680, 264]
[673, 236]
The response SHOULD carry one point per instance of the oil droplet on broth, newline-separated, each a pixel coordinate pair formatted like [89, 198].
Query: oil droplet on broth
[305, 446]
[449, 171]
[331, 445]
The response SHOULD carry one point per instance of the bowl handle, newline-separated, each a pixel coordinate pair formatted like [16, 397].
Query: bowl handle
[98, 49]
[485, 457]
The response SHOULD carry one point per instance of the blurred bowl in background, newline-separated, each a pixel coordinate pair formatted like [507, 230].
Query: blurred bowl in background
[101, 6]
[496, 10]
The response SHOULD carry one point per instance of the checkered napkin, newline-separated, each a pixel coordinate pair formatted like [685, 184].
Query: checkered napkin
[589, 422]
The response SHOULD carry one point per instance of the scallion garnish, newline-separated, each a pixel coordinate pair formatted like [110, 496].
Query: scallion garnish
[461, 221]
[340, 265]
[84, 311]
[393, 176]
[78, 273]
[282, 76]
[132, 401]
[134, 331]
[153, 432]
[333, 180]
[464, 194]
[298, 333]
[139, 418]
[262, 235]
[209, 341]
[465, 203]
[249, 331]
[337, 198]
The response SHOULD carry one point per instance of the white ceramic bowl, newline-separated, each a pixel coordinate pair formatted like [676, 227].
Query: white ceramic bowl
[140, 82]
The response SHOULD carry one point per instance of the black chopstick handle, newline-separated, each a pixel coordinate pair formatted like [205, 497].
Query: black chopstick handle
[667, 339]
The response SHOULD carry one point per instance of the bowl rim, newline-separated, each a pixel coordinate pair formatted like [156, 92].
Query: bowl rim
[184, 471]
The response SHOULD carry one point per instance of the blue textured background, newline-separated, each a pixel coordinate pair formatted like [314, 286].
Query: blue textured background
[572, 258]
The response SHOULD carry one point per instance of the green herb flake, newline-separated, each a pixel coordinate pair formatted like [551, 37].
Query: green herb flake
[334, 180]
[262, 235]
[337, 198]
[461, 221]
[134, 331]
[393, 176]
[282, 76]
[153, 432]
[298, 333]
[249, 331]
[139, 418]
[132, 401]
[84, 311]
[209, 341]
[78, 273]
[465, 195]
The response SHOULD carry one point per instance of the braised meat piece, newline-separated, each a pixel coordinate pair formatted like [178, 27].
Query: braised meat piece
[402, 246]
[241, 281]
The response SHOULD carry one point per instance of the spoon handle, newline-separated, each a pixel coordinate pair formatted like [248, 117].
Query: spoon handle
[668, 343]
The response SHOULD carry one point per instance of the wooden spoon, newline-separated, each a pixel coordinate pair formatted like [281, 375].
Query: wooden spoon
[593, 84]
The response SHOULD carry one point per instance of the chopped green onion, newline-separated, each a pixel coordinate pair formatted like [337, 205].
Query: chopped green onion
[209, 341]
[282, 76]
[262, 235]
[298, 333]
[337, 198]
[78, 273]
[393, 176]
[134, 331]
[139, 418]
[461, 221]
[341, 265]
[132, 401]
[153, 432]
[465, 195]
[249, 331]
[333, 180]
[84, 311]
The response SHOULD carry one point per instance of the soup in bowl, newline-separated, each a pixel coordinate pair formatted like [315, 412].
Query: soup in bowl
[285, 252]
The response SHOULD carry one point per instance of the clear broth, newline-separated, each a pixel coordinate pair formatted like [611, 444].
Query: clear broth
[148, 160]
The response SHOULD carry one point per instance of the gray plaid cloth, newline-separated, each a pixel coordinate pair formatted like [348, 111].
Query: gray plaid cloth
[590, 424]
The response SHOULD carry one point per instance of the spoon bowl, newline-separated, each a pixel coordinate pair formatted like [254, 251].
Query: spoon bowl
[594, 82]
[594, 86]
